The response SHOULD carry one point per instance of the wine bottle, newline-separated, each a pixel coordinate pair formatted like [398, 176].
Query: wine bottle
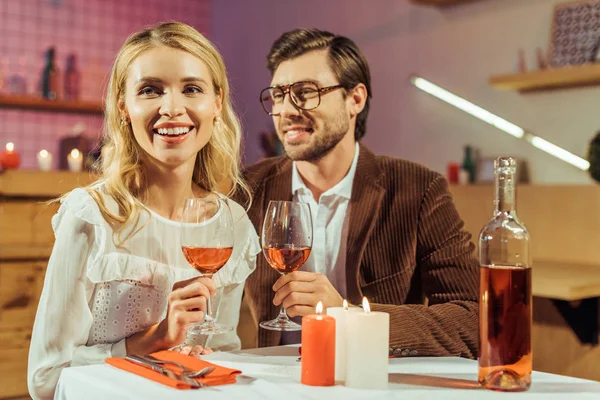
[72, 78]
[505, 300]
[50, 77]
[468, 164]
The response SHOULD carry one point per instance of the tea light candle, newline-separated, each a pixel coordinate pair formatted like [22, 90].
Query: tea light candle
[9, 158]
[74, 159]
[318, 349]
[44, 159]
[340, 313]
[367, 342]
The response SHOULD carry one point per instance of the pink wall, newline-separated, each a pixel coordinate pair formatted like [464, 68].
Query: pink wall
[93, 30]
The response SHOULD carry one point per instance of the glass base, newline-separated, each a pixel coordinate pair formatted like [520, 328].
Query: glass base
[281, 324]
[209, 329]
[506, 380]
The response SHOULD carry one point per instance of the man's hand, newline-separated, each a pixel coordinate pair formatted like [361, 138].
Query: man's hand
[300, 291]
[193, 351]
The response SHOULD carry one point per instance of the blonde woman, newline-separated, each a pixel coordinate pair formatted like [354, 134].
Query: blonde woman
[117, 281]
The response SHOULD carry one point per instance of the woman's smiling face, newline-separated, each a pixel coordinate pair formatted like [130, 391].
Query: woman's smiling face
[172, 105]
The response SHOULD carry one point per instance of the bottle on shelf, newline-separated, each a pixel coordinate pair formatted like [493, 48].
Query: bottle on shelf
[468, 165]
[452, 170]
[50, 77]
[72, 78]
[505, 299]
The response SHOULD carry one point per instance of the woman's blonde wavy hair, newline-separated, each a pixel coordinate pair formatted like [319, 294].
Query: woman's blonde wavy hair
[218, 163]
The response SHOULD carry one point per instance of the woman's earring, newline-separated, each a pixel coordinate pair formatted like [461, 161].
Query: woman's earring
[124, 121]
[217, 121]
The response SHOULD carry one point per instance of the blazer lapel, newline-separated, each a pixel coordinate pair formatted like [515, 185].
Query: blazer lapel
[279, 185]
[365, 204]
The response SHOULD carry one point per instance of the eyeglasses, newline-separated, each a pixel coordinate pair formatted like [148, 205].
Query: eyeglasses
[305, 96]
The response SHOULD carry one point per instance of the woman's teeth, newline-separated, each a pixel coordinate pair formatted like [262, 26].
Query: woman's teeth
[173, 131]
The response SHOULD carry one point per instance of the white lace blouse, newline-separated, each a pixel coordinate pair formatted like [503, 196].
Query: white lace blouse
[98, 292]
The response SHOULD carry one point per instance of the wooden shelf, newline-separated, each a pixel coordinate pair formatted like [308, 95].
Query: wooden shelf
[41, 184]
[19, 251]
[25, 215]
[565, 260]
[548, 79]
[39, 104]
[565, 281]
[440, 3]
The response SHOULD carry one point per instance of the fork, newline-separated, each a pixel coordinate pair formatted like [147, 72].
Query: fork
[184, 370]
[165, 371]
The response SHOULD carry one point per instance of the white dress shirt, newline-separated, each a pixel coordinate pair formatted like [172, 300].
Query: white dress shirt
[98, 292]
[330, 226]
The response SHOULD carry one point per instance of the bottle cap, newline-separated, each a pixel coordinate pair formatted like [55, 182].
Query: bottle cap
[505, 162]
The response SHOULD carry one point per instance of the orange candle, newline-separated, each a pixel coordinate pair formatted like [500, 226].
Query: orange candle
[9, 158]
[318, 349]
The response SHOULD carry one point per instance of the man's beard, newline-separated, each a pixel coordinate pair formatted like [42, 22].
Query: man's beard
[320, 145]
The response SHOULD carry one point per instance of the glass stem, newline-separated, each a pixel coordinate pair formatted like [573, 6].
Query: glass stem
[283, 315]
[208, 317]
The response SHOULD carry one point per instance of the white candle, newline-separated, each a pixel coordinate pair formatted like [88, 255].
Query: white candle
[339, 313]
[367, 344]
[74, 159]
[44, 159]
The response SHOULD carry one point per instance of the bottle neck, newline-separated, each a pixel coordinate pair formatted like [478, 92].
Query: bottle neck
[50, 59]
[467, 158]
[505, 193]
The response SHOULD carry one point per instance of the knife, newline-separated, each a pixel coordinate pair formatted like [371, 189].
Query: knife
[162, 370]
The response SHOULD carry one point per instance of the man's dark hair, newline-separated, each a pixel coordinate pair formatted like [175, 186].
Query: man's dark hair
[345, 59]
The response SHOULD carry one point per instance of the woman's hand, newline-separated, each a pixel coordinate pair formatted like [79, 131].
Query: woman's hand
[187, 304]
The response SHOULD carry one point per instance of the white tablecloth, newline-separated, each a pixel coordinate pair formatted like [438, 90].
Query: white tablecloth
[274, 373]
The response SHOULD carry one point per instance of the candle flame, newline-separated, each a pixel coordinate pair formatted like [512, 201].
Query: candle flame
[75, 153]
[319, 308]
[10, 146]
[345, 305]
[44, 153]
[366, 305]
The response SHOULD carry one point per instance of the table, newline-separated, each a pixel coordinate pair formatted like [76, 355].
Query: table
[273, 373]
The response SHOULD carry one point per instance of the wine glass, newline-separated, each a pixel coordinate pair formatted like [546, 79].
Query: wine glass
[286, 242]
[207, 234]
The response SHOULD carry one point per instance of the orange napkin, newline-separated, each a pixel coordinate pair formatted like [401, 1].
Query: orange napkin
[220, 376]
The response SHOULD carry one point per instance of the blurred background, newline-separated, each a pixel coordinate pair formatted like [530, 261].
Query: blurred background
[531, 63]
[458, 48]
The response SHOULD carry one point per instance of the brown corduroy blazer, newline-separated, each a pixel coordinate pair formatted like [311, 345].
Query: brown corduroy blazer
[406, 244]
